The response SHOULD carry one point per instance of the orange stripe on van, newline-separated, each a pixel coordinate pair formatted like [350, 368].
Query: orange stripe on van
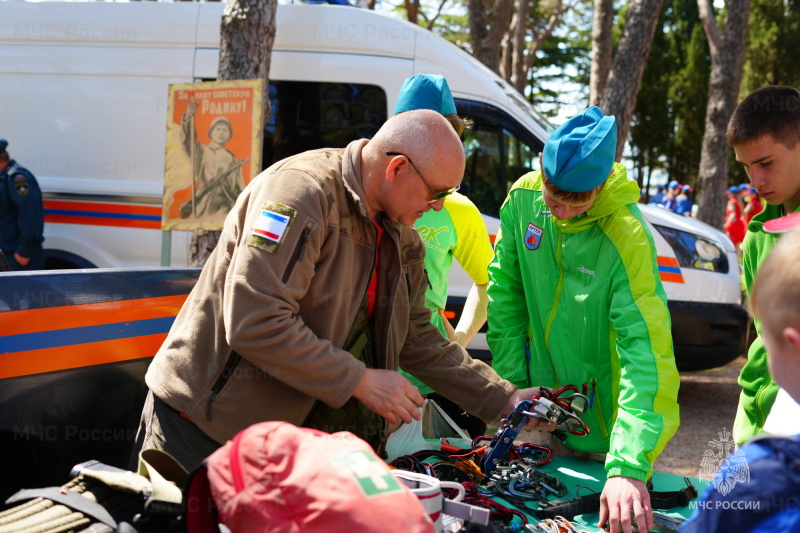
[669, 276]
[91, 221]
[668, 261]
[79, 355]
[104, 207]
[102, 214]
[76, 316]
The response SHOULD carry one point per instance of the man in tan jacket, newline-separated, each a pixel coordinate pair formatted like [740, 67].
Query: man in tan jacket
[313, 298]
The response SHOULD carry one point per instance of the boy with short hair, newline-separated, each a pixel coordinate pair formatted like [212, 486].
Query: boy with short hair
[771, 486]
[764, 132]
[575, 297]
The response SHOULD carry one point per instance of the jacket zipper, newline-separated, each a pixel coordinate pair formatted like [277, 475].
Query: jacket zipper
[557, 298]
[598, 409]
[372, 273]
[298, 254]
[222, 380]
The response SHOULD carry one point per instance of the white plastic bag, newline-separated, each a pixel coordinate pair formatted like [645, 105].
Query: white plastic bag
[409, 438]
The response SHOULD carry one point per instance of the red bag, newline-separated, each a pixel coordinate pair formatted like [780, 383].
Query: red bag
[274, 476]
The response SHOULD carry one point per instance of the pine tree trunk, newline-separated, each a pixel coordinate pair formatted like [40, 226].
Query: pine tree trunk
[602, 49]
[727, 62]
[619, 97]
[520, 73]
[486, 39]
[247, 33]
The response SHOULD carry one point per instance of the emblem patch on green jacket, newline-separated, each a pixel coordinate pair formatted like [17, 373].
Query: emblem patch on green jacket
[533, 237]
[271, 227]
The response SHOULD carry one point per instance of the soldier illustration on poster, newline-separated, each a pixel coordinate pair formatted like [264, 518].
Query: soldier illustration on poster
[213, 151]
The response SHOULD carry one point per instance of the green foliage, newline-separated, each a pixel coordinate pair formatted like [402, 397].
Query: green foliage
[772, 44]
[667, 132]
[560, 75]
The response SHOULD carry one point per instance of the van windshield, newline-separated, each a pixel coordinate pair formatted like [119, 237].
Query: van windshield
[311, 115]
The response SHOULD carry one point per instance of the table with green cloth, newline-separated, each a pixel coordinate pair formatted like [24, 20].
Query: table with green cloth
[582, 477]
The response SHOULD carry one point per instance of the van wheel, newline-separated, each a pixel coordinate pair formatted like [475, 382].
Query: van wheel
[61, 260]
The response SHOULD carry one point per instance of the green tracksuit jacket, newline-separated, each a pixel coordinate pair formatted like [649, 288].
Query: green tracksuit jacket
[758, 387]
[580, 301]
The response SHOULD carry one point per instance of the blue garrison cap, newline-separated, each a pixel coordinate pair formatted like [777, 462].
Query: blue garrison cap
[425, 91]
[579, 155]
[3, 145]
[674, 185]
[733, 189]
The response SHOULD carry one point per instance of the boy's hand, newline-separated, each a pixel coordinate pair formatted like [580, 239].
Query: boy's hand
[532, 423]
[621, 498]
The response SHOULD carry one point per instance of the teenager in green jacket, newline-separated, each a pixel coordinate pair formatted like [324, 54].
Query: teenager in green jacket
[764, 132]
[575, 297]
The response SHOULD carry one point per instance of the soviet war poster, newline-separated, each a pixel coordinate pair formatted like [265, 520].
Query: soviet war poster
[213, 150]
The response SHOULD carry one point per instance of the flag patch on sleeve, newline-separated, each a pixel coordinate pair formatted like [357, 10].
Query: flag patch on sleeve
[271, 227]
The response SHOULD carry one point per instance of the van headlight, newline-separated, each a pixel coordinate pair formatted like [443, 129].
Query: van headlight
[693, 251]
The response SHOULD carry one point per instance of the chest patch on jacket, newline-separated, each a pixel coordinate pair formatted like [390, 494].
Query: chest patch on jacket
[533, 237]
[271, 226]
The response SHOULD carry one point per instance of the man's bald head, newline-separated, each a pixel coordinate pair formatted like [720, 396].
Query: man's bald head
[415, 156]
[425, 136]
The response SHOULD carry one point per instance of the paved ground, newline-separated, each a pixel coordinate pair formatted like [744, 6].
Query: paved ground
[708, 401]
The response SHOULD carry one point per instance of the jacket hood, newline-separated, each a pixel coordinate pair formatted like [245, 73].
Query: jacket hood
[618, 192]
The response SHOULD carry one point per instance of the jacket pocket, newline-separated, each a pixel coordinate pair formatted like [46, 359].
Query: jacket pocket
[227, 372]
[298, 253]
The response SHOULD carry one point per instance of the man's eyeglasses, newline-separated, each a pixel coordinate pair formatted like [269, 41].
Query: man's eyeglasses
[436, 196]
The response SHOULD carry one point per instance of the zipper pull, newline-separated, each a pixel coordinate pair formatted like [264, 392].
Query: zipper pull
[594, 391]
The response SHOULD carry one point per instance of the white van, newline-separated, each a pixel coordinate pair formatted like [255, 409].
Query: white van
[84, 90]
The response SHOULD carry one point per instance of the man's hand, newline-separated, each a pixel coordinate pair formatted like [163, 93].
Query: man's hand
[21, 260]
[532, 423]
[389, 394]
[621, 495]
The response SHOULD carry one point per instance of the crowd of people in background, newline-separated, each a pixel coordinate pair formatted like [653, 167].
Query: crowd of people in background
[675, 197]
[742, 205]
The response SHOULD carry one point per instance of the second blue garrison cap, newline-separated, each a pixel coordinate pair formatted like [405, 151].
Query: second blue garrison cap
[425, 91]
[579, 155]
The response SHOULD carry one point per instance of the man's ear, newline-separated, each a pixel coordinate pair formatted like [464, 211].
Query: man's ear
[792, 336]
[393, 170]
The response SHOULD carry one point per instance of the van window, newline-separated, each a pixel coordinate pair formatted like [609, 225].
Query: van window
[311, 115]
[499, 151]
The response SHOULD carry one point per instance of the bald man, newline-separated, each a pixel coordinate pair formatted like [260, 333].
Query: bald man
[313, 298]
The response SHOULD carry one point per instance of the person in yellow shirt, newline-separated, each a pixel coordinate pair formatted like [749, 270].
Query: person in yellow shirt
[456, 231]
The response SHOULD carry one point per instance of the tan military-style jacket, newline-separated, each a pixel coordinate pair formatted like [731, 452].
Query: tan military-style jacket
[260, 337]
